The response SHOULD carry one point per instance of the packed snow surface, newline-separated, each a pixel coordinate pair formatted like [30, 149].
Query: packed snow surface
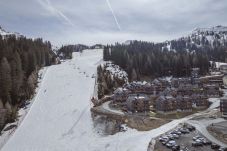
[60, 117]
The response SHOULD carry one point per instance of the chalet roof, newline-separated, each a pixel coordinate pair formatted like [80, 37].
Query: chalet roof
[181, 98]
[137, 97]
[165, 97]
[155, 81]
[118, 90]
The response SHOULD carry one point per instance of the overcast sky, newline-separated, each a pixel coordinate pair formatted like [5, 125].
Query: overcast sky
[109, 21]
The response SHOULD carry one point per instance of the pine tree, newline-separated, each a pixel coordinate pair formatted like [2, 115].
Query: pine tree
[17, 76]
[5, 80]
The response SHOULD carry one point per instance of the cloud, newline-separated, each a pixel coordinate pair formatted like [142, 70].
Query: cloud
[95, 21]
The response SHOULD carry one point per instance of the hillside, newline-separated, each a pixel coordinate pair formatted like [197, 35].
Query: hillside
[200, 38]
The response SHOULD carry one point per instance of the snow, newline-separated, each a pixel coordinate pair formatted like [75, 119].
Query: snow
[6, 33]
[218, 64]
[116, 71]
[215, 29]
[60, 117]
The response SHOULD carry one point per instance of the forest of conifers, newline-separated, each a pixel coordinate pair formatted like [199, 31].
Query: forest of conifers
[141, 59]
[20, 59]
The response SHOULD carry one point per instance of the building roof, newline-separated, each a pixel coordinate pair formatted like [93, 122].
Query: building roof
[133, 97]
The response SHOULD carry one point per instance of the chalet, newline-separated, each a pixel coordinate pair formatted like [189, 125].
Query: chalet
[185, 89]
[199, 101]
[138, 103]
[211, 89]
[223, 68]
[149, 88]
[140, 87]
[165, 82]
[176, 82]
[195, 76]
[120, 95]
[223, 106]
[166, 104]
[135, 87]
[169, 91]
[159, 84]
[184, 103]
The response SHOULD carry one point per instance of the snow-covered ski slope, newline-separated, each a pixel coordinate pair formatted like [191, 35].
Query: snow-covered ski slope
[60, 118]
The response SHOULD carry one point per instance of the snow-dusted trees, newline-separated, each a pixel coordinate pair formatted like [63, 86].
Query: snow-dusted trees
[107, 82]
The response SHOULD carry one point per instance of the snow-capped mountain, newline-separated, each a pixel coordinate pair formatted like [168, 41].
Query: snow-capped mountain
[5, 33]
[214, 36]
[200, 38]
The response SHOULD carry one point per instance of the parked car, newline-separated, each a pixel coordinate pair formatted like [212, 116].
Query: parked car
[170, 136]
[176, 136]
[184, 131]
[191, 128]
[171, 143]
[215, 146]
[206, 142]
[222, 149]
[176, 132]
[197, 137]
[197, 144]
[164, 138]
[176, 148]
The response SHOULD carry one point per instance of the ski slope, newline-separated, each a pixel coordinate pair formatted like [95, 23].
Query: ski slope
[60, 118]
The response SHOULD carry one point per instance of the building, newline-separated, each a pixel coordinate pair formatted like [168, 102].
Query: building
[138, 103]
[184, 103]
[211, 90]
[121, 95]
[195, 75]
[166, 104]
[223, 68]
[186, 89]
[199, 101]
[176, 82]
[223, 106]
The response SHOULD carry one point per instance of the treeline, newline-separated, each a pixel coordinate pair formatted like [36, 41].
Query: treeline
[65, 52]
[215, 50]
[20, 59]
[140, 59]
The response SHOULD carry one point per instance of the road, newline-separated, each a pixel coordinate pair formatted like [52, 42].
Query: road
[201, 126]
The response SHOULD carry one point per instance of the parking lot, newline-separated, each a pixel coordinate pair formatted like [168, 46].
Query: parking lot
[184, 138]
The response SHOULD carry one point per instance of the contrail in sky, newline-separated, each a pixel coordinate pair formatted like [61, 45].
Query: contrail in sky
[115, 18]
[48, 6]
